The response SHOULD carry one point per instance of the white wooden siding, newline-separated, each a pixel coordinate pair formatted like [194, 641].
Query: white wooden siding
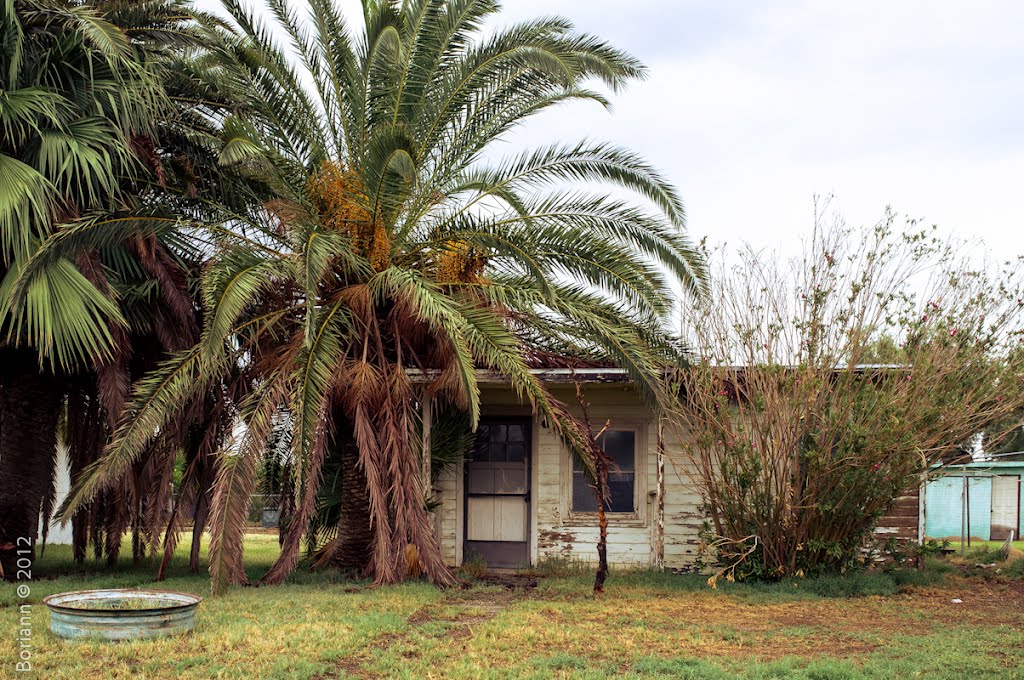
[555, 531]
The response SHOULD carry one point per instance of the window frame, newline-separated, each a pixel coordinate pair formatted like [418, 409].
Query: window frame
[638, 516]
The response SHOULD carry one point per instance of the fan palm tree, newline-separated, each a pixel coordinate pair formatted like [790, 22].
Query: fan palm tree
[399, 257]
[73, 94]
[98, 166]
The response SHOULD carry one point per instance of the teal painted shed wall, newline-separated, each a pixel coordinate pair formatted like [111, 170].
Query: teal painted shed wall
[944, 495]
[944, 507]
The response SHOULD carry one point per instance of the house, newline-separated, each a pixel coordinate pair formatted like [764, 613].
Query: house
[991, 493]
[519, 499]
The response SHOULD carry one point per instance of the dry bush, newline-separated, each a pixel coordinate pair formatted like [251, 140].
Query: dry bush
[824, 387]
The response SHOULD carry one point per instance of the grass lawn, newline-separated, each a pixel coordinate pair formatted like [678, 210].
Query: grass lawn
[648, 625]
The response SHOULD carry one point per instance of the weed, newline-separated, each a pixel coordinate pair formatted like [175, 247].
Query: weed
[680, 668]
[560, 567]
[475, 567]
[559, 662]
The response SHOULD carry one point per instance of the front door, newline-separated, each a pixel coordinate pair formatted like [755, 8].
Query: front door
[1005, 507]
[498, 494]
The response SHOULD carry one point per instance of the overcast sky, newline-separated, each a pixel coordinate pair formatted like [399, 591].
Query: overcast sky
[753, 107]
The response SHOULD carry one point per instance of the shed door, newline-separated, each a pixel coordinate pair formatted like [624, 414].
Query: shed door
[498, 494]
[1005, 507]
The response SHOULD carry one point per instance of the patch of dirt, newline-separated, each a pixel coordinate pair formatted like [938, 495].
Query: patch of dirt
[352, 666]
[465, 610]
[349, 667]
[523, 582]
[707, 624]
[716, 625]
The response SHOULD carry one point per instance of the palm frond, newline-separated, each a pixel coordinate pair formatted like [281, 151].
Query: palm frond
[232, 285]
[233, 487]
[27, 204]
[28, 110]
[310, 407]
[155, 400]
[63, 315]
[442, 315]
[103, 36]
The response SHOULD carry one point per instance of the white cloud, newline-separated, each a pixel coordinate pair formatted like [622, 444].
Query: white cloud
[751, 108]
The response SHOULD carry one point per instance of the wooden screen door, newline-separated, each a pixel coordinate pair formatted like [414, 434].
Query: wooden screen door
[498, 494]
[1005, 507]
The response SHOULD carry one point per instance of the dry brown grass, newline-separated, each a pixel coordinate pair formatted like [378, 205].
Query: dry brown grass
[631, 623]
[661, 625]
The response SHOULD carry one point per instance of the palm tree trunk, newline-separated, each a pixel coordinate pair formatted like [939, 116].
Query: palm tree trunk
[79, 537]
[29, 403]
[354, 530]
[85, 434]
[198, 527]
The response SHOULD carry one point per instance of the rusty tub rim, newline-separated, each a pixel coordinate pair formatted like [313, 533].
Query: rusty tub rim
[185, 601]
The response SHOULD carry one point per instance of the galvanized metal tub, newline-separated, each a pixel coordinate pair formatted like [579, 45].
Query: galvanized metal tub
[120, 614]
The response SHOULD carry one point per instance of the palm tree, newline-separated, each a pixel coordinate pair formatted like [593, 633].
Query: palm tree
[397, 246]
[72, 96]
[99, 168]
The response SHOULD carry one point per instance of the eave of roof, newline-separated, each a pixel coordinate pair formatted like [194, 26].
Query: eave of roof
[979, 465]
[607, 375]
[546, 375]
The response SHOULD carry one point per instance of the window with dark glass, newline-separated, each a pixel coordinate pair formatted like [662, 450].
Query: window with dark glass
[500, 443]
[620, 445]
